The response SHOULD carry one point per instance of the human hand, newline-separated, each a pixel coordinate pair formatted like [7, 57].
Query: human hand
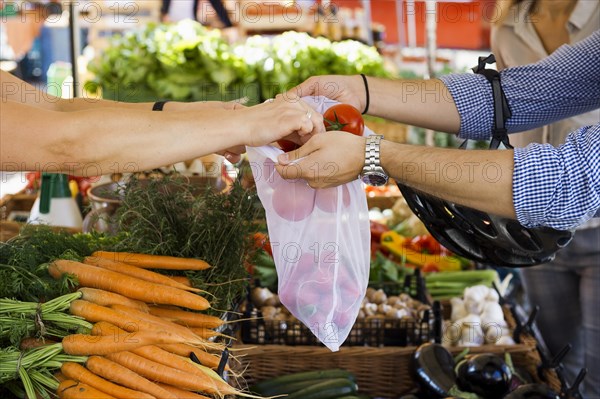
[345, 89]
[328, 160]
[285, 117]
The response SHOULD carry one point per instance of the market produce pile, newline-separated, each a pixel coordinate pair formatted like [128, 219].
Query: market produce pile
[189, 62]
[77, 317]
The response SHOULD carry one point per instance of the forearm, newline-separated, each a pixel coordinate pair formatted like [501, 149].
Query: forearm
[425, 103]
[100, 141]
[16, 90]
[477, 179]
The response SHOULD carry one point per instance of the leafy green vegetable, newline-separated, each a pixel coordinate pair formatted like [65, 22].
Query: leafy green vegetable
[286, 60]
[264, 270]
[188, 62]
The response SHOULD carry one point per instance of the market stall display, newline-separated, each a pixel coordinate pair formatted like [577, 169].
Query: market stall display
[188, 62]
[84, 300]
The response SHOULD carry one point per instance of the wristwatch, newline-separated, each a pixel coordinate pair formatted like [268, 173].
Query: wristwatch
[372, 173]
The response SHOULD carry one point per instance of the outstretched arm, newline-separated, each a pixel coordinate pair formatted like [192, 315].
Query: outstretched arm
[93, 138]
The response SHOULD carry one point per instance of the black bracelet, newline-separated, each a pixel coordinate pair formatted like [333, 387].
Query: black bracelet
[158, 106]
[367, 91]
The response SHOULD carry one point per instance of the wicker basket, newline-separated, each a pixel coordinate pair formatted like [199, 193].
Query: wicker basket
[380, 372]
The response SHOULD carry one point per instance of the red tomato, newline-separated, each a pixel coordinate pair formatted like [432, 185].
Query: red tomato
[293, 202]
[344, 117]
[430, 268]
[287, 145]
[327, 198]
[426, 243]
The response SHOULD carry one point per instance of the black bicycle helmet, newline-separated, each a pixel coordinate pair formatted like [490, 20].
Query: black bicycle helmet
[479, 236]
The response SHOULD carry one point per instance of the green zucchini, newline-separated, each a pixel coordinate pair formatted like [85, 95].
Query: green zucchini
[303, 376]
[288, 388]
[329, 389]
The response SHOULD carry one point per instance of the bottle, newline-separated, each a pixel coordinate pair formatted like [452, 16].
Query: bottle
[55, 205]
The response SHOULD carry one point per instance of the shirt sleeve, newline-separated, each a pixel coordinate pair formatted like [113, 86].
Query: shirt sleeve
[560, 86]
[558, 187]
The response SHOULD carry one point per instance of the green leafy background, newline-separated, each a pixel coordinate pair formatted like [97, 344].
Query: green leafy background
[188, 62]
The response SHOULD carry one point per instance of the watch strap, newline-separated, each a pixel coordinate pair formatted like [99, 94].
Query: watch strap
[372, 153]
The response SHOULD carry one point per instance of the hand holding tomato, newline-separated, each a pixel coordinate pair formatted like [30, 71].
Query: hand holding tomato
[344, 117]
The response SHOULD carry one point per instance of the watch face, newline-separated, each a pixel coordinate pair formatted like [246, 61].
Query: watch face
[375, 179]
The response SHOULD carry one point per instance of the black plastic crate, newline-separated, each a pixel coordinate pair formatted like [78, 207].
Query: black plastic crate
[373, 332]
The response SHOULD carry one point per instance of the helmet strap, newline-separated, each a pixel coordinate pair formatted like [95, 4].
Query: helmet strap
[501, 109]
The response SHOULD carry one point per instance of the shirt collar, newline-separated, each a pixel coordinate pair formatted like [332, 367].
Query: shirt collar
[583, 11]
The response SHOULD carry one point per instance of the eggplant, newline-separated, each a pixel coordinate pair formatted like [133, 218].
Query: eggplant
[520, 377]
[434, 368]
[533, 391]
[485, 374]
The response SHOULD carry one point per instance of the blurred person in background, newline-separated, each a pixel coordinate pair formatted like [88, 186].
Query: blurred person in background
[177, 10]
[567, 289]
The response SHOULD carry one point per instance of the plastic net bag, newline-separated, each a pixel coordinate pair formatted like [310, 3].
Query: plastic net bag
[321, 244]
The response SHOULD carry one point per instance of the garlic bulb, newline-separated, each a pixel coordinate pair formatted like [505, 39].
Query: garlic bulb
[458, 309]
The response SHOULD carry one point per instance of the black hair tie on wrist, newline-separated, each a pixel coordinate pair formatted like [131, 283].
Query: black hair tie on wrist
[159, 105]
[367, 91]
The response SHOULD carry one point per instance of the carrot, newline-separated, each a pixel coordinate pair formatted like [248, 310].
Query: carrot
[207, 359]
[207, 333]
[60, 377]
[169, 375]
[95, 313]
[181, 393]
[108, 328]
[182, 280]
[145, 261]
[166, 324]
[106, 298]
[182, 350]
[165, 358]
[170, 326]
[83, 344]
[131, 287]
[123, 376]
[77, 372]
[189, 319]
[133, 271]
[70, 389]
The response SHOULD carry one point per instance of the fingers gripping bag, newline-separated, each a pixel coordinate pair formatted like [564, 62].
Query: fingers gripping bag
[321, 244]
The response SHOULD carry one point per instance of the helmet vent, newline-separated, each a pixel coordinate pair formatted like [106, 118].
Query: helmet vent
[479, 221]
[523, 237]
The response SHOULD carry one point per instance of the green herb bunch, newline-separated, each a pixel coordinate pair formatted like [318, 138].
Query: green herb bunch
[169, 216]
[23, 272]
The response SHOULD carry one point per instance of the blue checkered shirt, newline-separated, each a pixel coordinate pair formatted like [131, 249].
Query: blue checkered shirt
[556, 187]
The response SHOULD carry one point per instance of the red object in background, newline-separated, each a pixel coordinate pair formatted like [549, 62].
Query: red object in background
[261, 241]
[430, 268]
[461, 24]
[377, 229]
[287, 145]
[83, 183]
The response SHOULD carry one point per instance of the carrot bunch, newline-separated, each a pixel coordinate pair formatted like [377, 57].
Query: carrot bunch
[146, 325]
